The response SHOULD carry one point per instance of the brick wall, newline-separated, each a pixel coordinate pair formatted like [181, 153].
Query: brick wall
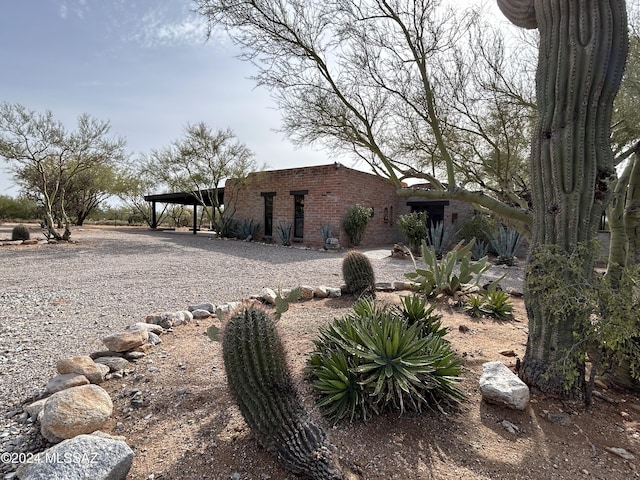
[329, 191]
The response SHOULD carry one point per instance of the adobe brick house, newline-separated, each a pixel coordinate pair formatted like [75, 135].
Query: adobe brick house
[311, 197]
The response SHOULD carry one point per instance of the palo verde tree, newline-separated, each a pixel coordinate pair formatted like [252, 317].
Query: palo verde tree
[47, 160]
[582, 54]
[199, 163]
[367, 78]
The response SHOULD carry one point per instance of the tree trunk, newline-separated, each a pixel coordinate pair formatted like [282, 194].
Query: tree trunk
[632, 214]
[582, 54]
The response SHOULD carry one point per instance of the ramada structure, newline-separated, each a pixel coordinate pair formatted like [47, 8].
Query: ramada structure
[309, 198]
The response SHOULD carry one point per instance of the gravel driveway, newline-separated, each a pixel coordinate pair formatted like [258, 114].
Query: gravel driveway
[59, 300]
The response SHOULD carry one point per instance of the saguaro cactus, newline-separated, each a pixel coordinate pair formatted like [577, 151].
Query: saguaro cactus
[261, 385]
[582, 53]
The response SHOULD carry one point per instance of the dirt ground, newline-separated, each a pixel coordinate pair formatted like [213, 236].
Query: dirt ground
[185, 424]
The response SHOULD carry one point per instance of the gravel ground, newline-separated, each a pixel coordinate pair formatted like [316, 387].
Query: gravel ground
[59, 300]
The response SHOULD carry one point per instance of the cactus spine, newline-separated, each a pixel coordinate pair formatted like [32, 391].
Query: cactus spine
[261, 385]
[358, 274]
[582, 53]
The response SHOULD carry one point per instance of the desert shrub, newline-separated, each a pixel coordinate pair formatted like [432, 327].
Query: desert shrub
[355, 223]
[374, 360]
[505, 241]
[476, 226]
[20, 232]
[358, 275]
[440, 275]
[414, 227]
[605, 310]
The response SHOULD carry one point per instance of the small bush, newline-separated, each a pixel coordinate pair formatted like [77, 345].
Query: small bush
[355, 223]
[414, 227]
[20, 232]
[476, 227]
[373, 360]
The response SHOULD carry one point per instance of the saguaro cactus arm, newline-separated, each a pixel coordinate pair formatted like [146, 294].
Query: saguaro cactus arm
[521, 13]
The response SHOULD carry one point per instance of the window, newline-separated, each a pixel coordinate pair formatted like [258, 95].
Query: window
[268, 213]
[298, 213]
[298, 216]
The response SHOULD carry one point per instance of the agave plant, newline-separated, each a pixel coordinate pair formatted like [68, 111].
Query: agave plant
[440, 276]
[505, 241]
[493, 303]
[374, 359]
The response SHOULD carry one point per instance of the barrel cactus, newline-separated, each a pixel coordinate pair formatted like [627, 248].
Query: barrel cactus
[358, 274]
[20, 232]
[261, 384]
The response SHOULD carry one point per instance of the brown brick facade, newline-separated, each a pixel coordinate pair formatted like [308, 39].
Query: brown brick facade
[328, 191]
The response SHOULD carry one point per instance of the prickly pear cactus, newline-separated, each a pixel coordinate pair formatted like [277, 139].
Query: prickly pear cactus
[261, 385]
[358, 274]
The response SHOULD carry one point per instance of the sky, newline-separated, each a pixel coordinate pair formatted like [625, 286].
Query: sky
[143, 65]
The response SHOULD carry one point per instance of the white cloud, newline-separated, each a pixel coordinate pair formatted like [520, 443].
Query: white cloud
[63, 10]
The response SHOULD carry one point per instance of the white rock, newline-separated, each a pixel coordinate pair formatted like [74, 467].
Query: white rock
[334, 292]
[501, 386]
[321, 291]
[82, 457]
[268, 295]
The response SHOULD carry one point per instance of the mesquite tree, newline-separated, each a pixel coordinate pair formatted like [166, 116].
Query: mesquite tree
[582, 53]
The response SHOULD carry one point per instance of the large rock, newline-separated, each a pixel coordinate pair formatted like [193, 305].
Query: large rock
[501, 386]
[75, 411]
[126, 340]
[64, 381]
[115, 364]
[83, 365]
[165, 319]
[208, 306]
[268, 295]
[81, 458]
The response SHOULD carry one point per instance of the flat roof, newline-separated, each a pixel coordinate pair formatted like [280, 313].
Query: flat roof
[187, 198]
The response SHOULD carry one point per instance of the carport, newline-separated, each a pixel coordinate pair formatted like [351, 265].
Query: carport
[194, 199]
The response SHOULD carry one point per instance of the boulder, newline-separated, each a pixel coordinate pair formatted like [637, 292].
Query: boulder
[201, 313]
[182, 317]
[82, 457]
[321, 292]
[306, 292]
[64, 381]
[115, 364]
[165, 319]
[75, 411]
[501, 386]
[268, 295]
[208, 306]
[126, 339]
[83, 365]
